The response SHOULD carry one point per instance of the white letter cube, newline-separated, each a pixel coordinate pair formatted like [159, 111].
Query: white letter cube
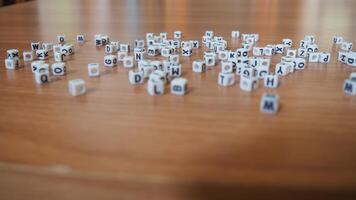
[76, 87]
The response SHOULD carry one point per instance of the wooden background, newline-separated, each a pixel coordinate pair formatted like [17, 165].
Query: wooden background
[117, 142]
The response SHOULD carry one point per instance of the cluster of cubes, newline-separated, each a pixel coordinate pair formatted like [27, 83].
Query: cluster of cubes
[42, 52]
[250, 62]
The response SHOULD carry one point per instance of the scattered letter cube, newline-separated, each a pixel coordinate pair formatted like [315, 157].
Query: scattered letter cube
[76, 87]
[179, 86]
[226, 79]
[42, 76]
[110, 61]
[136, 77]
[59, 69]
[128, 61]
[198, 66]
[93, 69]
[269, 103]
[155, 87]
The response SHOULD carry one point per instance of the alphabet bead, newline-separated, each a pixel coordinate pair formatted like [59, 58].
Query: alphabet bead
[209, 60]
[57, 48]
[342, 57]
[269, 103]
[351, 58]
[104, 40]
[249, 72]
[287, 42]
[226, 79]
[177, 34]
[247, 46]
[12, 53]
[292, 53]
[232, 56]
[43, 67]
[258, 51]
[93, 69]
[226, 67]
[235, 34]
[223, 55]
[338, 39]
[242, 53]
[27, 56]
[174, 59]
[152, 50]
[156, 64]
[165, 51]
[324, 57]
[346, 46]
[67, 49]
[349, 86]
[125, 47]
[136, 77]
[61, 39]
[121, 55]
[310, 38]
[187, 51]
[59, 69]
[42, 76]
[282, 69]
[140, 43]
[175, 70]
[76, 87]
[195, 44]
[312, 48]
[147, 70]
[80, 38]
[298, 63]
[11, 63]
[35, 46]
[138, 56]
[116, 45]
[128, 61]
[248, 84]
[35, 65]
[149, 36]
[158, 75]
[314, 57]
[199, 66]
[60, 57]
[163, 35]
[110, 61]
[186, 44]
[262, 71]
[271, 81]
[279, 49]
[155, 87]
[302, 52]
[48, 46]
[42, 54]
[109, 49]
[268, 51]
[179, 86]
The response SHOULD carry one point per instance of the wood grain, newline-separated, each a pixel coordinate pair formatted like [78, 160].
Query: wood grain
[117, 142]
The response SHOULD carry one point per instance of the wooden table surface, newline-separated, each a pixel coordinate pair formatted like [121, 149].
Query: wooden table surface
[117, 142]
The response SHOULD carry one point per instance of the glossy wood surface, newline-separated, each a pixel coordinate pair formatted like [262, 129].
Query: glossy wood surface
[117, 142]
